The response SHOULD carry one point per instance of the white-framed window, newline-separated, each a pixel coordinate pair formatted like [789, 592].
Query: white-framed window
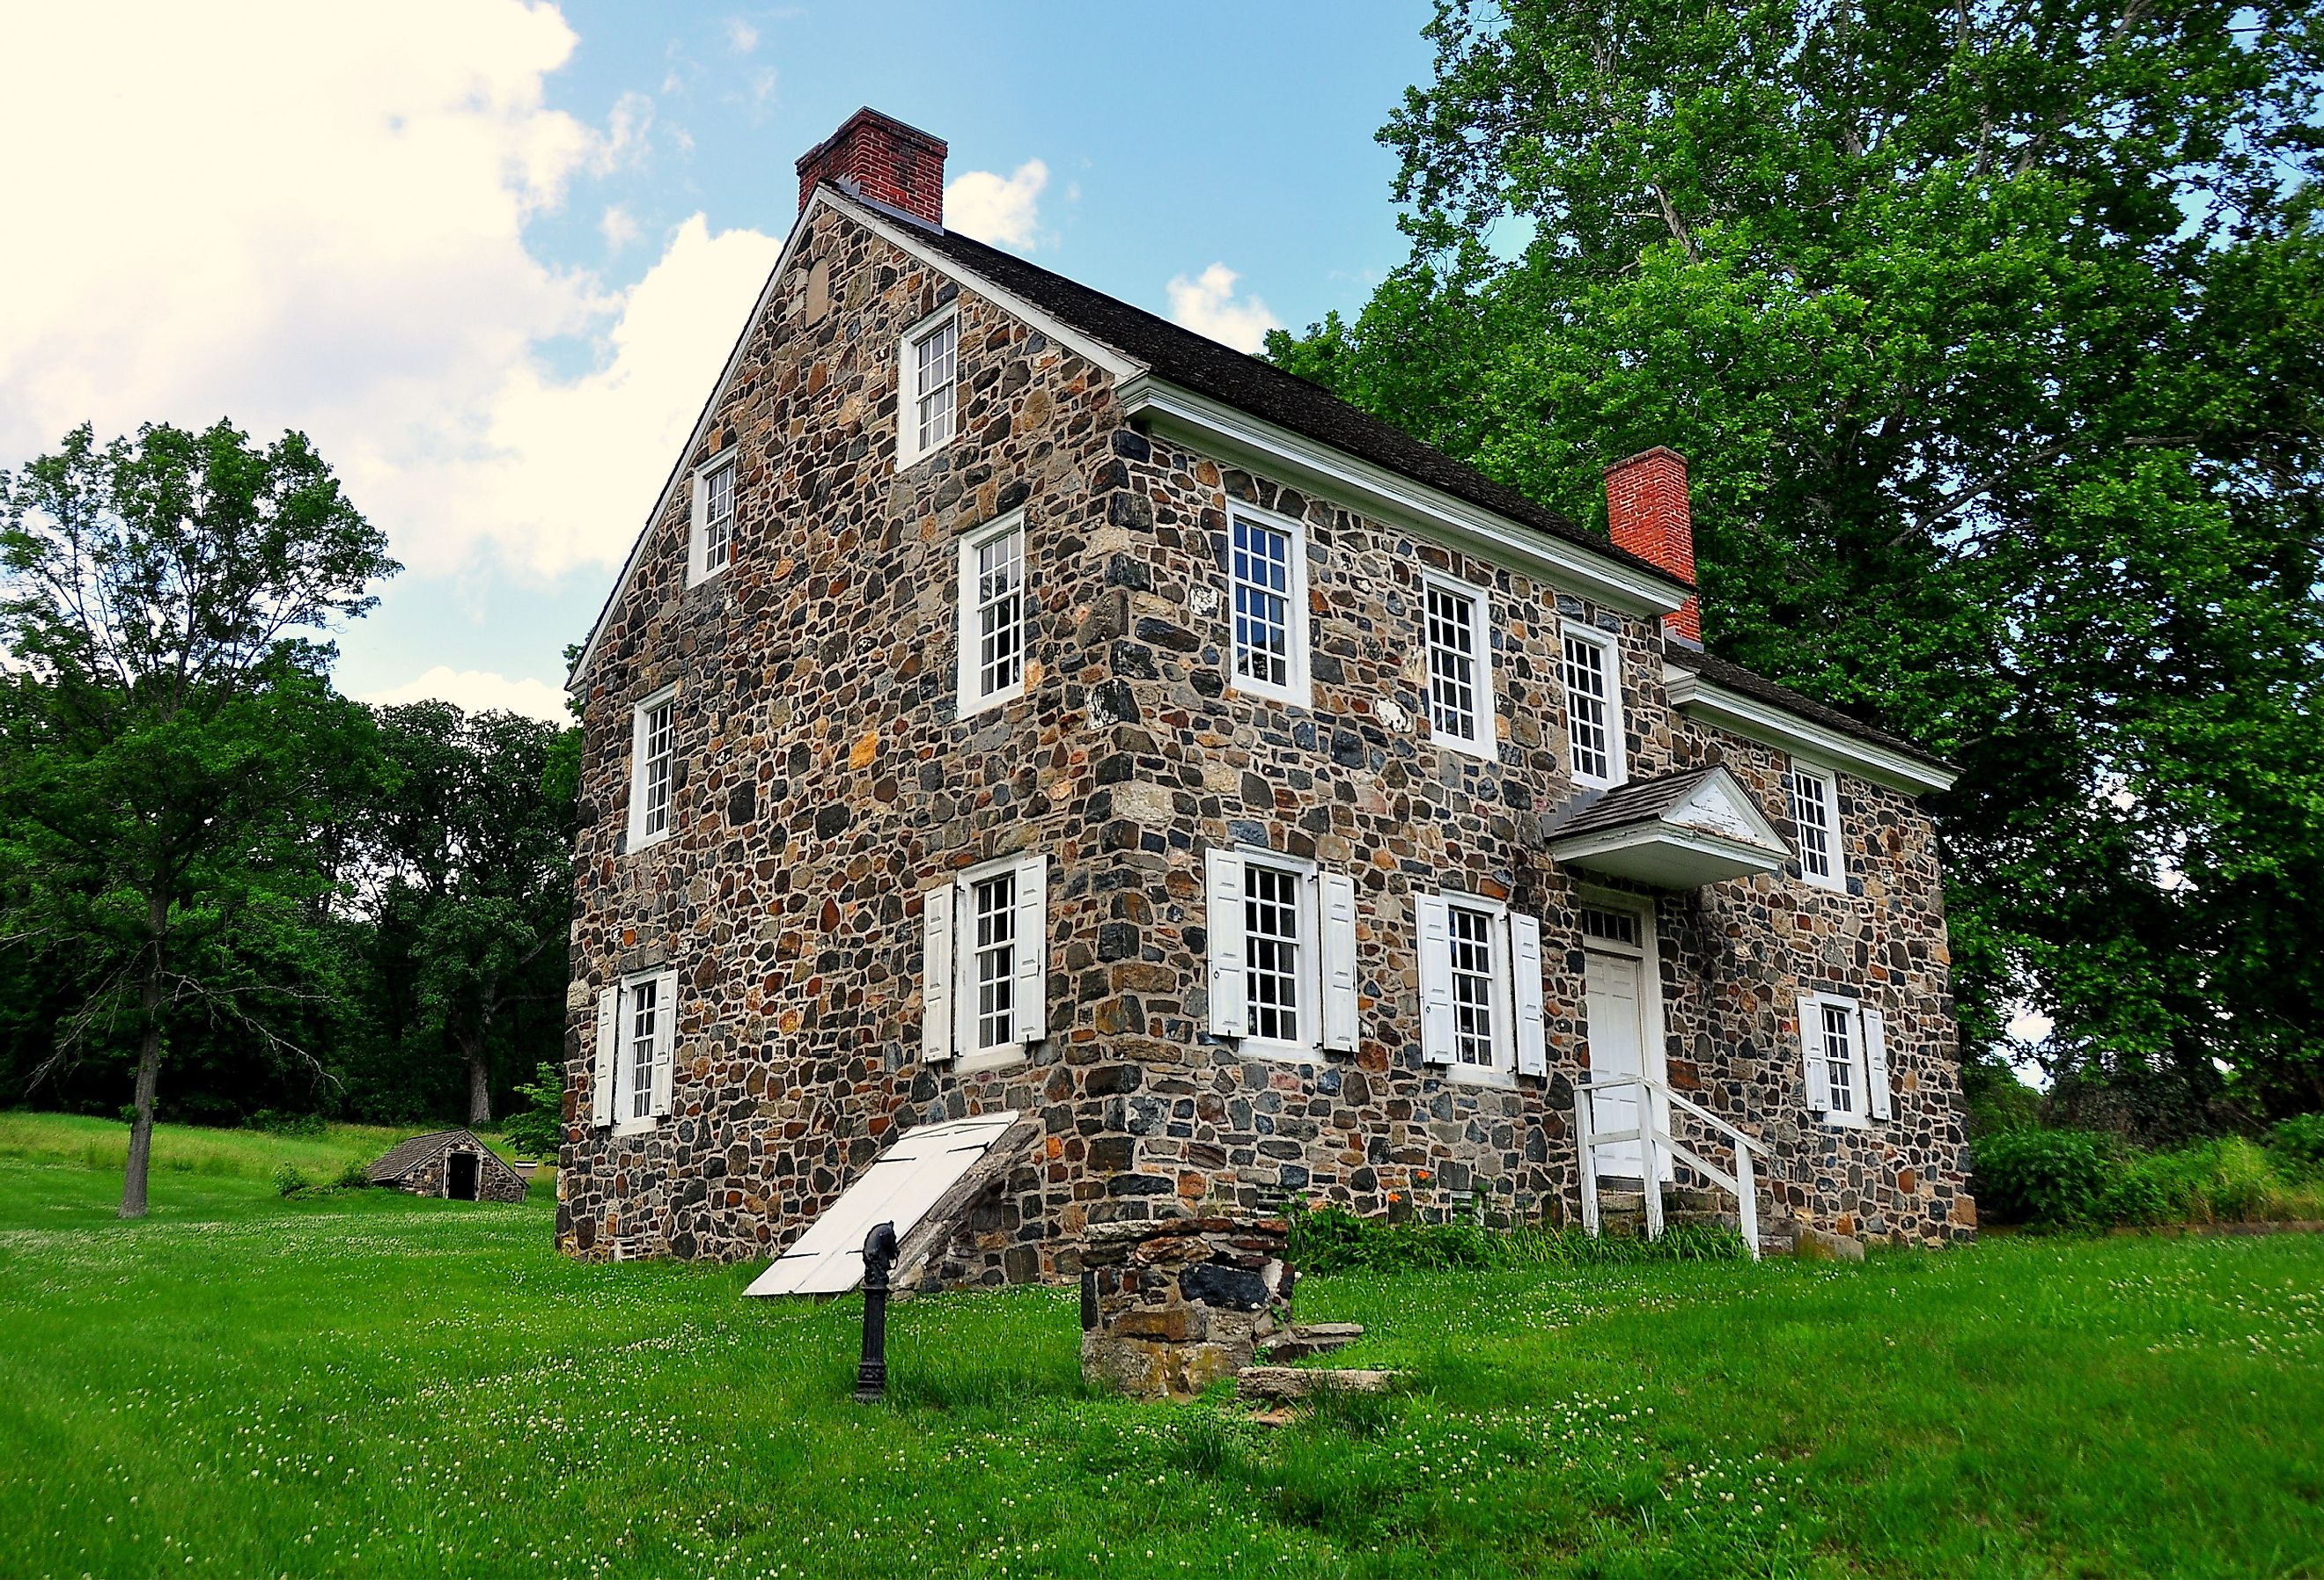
[653, 766]
[1282, 940]
[1815, 810]
[1593, 705]
[710, 546]
[985, 985]
[637, 1037]
[1457, 634]
[992, 614]
[1844, 1055]
[927, 393]
[1267, 576]
[1480, 987]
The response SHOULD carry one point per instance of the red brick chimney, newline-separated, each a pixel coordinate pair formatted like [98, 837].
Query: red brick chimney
[1647, 512]
[882, 159]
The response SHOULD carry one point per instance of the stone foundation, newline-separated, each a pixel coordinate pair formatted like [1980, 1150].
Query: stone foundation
[1169, 1307]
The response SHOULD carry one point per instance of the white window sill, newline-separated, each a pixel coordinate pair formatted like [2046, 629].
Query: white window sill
[695, 579]
[646, 842]
[1846, 1121]
[905, 462]
[992, 1058]
[1273, 1052]
[1472, 1075]
[1588, 782]
[637, 1127]
[1829, 885]
[1303, 697]
[1484, 751]
[971, 706]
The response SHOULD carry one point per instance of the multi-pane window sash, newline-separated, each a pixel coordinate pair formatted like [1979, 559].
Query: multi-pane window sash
[1811, 810]
[1839, 1059]
[717, 518]
[645, 1008]
[1455, 643]
[1271, 943]
[1471, 935]
[993, 905]
[935, 371]
[1262, 603]
[1000, 615]
[1589, 708]
[657, 753]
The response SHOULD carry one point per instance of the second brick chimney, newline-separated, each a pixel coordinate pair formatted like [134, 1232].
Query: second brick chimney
[1647, 512]
[882, 159]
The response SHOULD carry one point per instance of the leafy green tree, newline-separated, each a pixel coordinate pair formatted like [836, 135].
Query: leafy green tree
[1995, 336]
[162, 599]
[470, 838]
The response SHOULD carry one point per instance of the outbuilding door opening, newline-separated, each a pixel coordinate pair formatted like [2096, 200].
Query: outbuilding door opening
[460, 1184]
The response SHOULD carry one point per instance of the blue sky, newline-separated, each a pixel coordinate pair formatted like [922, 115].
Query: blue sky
[490, 254]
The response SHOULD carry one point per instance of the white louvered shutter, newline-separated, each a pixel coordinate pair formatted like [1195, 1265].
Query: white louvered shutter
[601, 1073]
[665, 1038]
[1433, 926]
[1524, 996]
[1032, 951]
[1812, 1053]
[1222, 917]
[1338, 907]
[936, 976]
[697, 526]
[1876, 1062]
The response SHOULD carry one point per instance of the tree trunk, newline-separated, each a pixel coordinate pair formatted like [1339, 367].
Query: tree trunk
[480, 1085]
[149, 1074]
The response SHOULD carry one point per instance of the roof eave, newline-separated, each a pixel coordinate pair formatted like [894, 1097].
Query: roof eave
[1228, 433]
[1772, 725]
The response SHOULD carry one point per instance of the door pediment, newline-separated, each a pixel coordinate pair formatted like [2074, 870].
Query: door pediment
[1674, 831]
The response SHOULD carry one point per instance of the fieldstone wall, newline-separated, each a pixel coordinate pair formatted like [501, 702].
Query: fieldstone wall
[1169, 1307]
[825, 783]
[432, 1175]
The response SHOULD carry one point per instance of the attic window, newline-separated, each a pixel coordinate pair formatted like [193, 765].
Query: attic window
[929, 378]
[713, 539]
[1593, 706]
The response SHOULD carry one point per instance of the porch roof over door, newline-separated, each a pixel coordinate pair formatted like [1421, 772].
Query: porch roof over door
[1674, 831]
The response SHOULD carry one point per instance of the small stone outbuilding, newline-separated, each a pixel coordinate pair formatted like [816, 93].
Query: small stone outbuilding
[449, 1163]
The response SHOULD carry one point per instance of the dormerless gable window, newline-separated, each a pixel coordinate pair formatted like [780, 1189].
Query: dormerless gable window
[653, 764]
[926, 414]
[1815, 809]
[993, 614]
[711, 543]
[637, 1036]
[1283, 953]
[1844, 1054]
[1267, 573]
[984, 971]
[1460, 666]
[1593, 706]
[1481, 986]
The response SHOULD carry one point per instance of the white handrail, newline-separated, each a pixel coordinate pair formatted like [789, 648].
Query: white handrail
[1653, 1141]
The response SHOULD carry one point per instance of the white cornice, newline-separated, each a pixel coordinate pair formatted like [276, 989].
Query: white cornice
[1229, 434]
[1772, 725]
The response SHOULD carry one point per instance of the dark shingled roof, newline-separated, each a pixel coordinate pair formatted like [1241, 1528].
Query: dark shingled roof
[1635, 802]
[1750, 683]
[1200, 364]
[405, 1156]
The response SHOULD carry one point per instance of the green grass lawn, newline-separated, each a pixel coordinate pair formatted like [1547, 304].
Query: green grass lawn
[365, 1384]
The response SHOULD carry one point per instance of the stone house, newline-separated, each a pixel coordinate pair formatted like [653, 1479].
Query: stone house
[448, 1163]
[1017, 702]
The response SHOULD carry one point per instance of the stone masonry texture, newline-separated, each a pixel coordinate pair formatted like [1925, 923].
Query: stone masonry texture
[823, 782]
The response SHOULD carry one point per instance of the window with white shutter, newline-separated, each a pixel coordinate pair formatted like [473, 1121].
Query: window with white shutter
[985, 973]
[637, 1046]
[1283, 954]
[1844, 1055]
[1481, 990]
[601, 1069]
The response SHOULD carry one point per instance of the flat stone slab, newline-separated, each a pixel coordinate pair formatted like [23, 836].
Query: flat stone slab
[1282, 1383]
[1314, 1338]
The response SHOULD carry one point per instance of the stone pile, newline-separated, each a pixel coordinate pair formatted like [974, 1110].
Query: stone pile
[1169, 1307]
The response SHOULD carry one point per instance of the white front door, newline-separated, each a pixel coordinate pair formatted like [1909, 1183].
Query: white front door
[1617, 997]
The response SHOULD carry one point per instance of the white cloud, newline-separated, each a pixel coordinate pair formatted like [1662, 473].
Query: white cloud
[741, 36]
[1005, 210]
[1207, 305]
[355, 265]
[474, 690]
[617, 227]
